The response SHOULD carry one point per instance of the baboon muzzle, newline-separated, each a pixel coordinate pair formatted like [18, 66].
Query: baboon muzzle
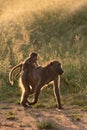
[61, 72]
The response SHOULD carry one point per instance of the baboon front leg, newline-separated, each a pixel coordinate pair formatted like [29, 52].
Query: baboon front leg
[57, 92]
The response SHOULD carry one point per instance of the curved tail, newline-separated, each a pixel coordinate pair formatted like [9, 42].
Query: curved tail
[12, 70]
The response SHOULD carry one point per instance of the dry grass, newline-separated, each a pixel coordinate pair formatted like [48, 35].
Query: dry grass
[55, 24]
[13, 10]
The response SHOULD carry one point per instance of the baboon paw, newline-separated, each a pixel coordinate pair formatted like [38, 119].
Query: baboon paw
[24, 105]
[29, 106]
[60, 107]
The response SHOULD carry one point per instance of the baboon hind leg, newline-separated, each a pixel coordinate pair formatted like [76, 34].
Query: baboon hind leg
[25, 92]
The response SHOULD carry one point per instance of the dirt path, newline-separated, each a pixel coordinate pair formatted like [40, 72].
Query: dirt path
[15, 117]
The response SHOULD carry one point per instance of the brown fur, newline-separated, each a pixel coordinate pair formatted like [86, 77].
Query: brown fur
[37, 78]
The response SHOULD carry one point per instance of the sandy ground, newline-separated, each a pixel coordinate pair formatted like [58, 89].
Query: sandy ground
[15, 117]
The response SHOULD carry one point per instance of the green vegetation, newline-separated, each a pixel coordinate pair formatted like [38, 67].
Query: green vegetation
[56, 30]
[11, 116]
[46, 125]
[76, 117]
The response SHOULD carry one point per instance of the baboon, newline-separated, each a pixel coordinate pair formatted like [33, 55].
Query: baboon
[31, 61]
[25, 66]
[37, 78]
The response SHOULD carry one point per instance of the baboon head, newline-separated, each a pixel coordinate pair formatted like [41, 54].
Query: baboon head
[57, 66]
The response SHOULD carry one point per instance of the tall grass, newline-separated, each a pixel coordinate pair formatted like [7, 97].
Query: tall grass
[55, 29]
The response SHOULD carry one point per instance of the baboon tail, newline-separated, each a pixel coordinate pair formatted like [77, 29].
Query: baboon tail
[11, 78]
[11, 72]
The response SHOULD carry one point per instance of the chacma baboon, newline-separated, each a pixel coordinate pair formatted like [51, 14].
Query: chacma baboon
[30, 62]
[27, 66]
[37, 78]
